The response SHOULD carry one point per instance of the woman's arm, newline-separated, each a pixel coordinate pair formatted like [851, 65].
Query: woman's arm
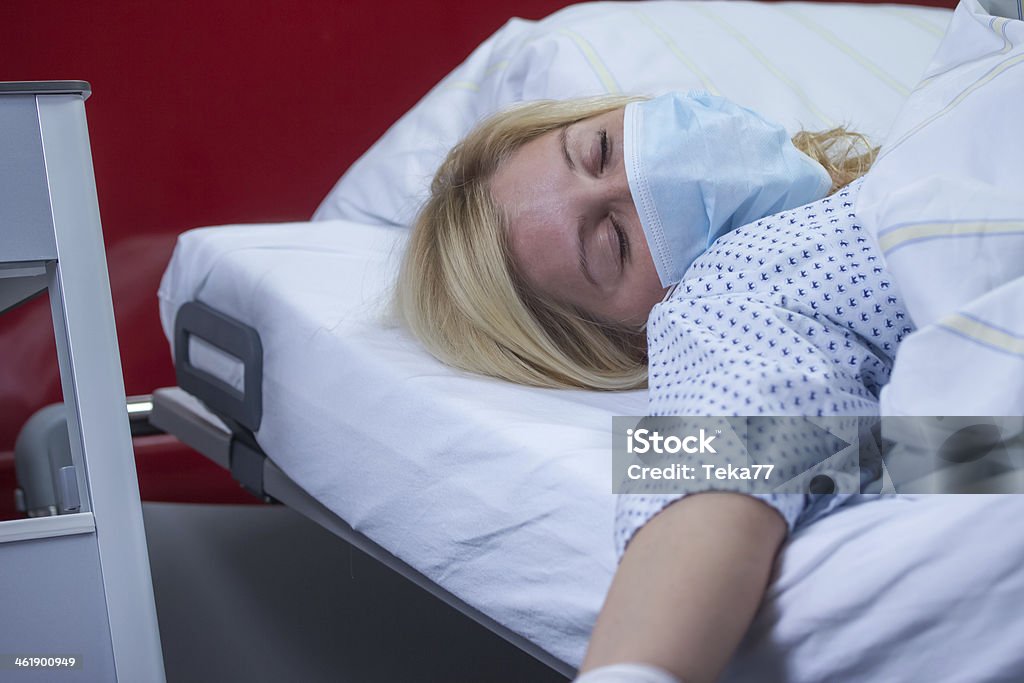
[688, 586]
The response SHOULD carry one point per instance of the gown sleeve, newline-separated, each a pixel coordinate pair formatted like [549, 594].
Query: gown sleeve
[726, 355]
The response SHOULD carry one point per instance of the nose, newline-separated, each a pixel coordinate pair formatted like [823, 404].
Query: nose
[620, 181]
[619, 189]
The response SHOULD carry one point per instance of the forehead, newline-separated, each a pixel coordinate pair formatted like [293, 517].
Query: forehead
[533, 188]
[529, 180]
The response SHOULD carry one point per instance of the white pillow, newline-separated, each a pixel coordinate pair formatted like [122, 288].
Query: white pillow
[811, 65]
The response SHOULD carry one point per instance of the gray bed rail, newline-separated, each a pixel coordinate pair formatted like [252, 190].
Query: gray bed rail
[235, 339]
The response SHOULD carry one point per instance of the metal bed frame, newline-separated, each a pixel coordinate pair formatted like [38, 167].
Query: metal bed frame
[219, 421]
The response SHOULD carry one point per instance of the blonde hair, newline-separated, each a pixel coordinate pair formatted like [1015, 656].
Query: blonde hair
[459, 291]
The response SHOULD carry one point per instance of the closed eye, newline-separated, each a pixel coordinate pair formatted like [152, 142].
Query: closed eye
[623, 242]
[604, 148]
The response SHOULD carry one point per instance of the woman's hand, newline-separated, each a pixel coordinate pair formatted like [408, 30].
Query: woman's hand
[688, 586]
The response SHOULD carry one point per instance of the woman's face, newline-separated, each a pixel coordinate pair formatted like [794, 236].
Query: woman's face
[574, 231]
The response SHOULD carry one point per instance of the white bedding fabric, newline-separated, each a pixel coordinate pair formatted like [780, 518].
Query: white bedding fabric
[501, 494]
[947, 208]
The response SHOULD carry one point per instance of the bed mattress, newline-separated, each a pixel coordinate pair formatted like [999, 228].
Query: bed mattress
[502, 494]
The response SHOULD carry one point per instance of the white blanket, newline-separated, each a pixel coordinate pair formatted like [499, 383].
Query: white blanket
[946, 203]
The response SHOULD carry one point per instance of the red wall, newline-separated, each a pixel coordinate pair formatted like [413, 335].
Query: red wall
[206, 112]
[209, 111]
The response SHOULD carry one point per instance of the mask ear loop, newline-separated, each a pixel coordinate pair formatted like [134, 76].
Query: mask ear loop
[669, 293]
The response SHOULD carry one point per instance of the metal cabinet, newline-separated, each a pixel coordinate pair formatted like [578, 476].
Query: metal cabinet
[77, 583]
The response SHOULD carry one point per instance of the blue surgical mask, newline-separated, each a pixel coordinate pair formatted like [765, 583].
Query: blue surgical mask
[699, 166]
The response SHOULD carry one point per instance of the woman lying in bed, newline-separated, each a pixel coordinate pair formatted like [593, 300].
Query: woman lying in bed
[686, 244]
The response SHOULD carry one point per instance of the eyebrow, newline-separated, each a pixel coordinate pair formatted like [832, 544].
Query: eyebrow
[563, 139]
[581, 223]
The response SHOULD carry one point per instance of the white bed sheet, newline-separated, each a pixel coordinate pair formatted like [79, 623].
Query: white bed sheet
[501, 494]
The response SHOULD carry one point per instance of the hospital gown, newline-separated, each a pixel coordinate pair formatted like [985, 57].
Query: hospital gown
[794, 314]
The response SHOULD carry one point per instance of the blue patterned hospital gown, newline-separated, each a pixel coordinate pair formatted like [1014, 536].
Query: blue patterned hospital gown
[794, 314]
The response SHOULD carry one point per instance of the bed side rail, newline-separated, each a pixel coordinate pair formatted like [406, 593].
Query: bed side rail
[219, 360]
[234, 341]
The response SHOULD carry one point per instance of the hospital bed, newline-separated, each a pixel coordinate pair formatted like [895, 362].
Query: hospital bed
[496, 497]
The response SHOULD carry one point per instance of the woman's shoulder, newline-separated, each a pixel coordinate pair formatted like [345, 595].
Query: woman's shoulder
[812, 268]
[810, 244]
